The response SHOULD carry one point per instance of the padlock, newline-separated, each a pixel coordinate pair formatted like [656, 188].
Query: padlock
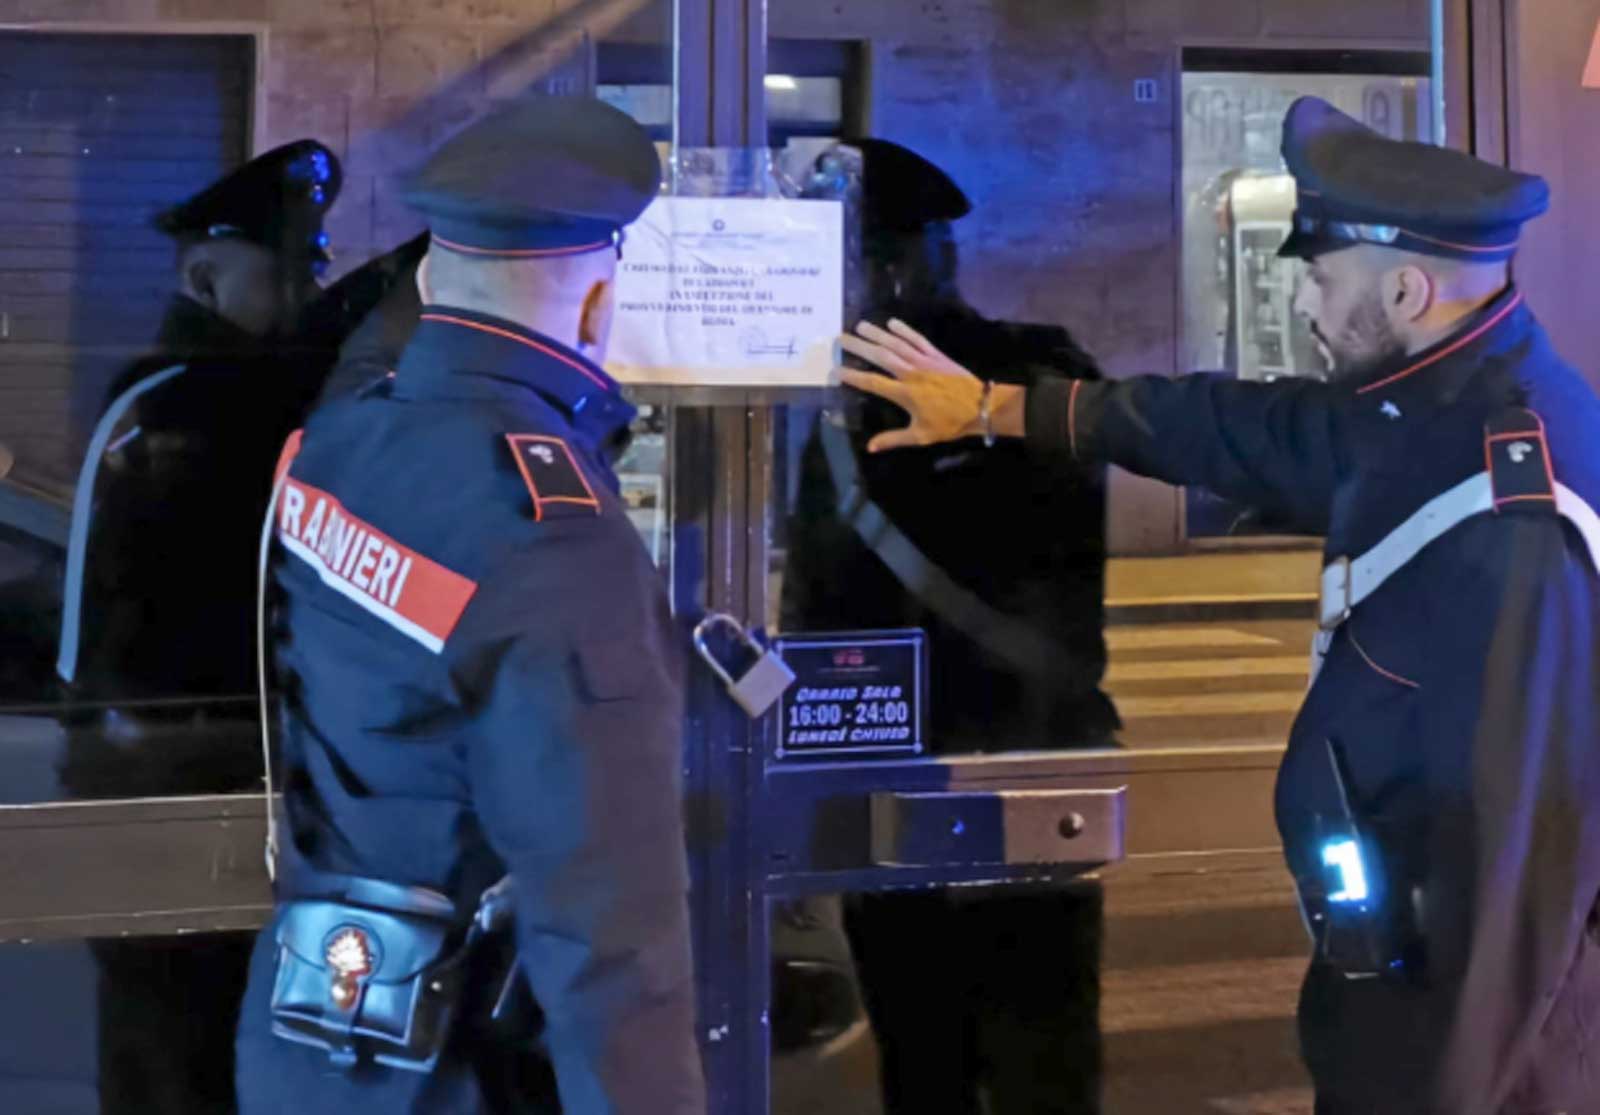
[762, 684]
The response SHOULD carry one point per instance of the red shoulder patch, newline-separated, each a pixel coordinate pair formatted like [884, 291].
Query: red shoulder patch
[551, 470]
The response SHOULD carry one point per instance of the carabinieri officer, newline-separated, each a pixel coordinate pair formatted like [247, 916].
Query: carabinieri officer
[1439, 802]
[481, 684]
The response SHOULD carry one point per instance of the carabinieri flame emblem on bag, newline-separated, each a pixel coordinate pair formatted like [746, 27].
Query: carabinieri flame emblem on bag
[350, 956]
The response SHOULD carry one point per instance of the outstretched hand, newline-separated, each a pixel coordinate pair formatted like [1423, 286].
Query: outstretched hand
[941, 397]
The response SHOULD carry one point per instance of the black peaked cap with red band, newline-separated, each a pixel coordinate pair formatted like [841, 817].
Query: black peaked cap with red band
[1358, 187]
[539, 176]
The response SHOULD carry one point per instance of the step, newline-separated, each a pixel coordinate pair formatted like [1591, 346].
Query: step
[1278, 583]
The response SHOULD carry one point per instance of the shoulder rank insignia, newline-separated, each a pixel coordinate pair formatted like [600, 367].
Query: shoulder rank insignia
[1518, 458]
[552, 473]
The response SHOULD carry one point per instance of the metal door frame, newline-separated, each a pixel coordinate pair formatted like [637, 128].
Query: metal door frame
[187, 865]
[734, 574]
[739, 812]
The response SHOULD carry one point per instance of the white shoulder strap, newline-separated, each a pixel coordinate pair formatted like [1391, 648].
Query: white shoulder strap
[263, 676]
[83, 511]
[1346, 582]
[269, 527]
[1581, 515]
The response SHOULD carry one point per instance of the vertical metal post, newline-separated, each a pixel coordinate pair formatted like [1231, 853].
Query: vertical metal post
[1437, 82]
[710, 569]
[1458, 74]
[719, 72]
[1489, 30]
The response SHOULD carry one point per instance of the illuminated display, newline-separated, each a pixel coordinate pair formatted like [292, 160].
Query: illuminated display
[1344, 858]
[855, 693]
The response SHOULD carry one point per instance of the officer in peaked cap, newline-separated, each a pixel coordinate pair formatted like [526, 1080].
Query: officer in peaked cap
[1436, 801]
[480, 683]
[276, 201]
[250, 248]
[902, 192]
[189, 428]
[1354, 186]
[159, 602]
[968, 995]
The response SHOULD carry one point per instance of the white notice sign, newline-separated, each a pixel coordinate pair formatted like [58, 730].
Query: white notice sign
[735, 292]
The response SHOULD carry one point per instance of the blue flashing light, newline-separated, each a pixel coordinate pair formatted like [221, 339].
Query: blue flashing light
[1345, 857]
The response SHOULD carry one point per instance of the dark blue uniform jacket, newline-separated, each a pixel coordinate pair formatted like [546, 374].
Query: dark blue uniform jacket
[480, 675]
[1464, 694]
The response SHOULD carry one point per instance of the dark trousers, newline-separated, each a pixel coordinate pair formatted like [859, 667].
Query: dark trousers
[993, 996]
[166, 1009]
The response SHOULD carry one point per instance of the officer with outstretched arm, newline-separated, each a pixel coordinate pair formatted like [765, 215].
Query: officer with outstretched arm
[482, 885]
[1439, 800]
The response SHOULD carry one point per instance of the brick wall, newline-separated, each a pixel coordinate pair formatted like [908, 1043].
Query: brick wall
[386, 80]
[1029, 102]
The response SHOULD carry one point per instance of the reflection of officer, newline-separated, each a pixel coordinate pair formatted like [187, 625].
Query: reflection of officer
[997, 994]
[160, 600]
[481, 679]
[370, 316]
[180, 465]
[1029, 545]
[1437, 801]
[32, 528]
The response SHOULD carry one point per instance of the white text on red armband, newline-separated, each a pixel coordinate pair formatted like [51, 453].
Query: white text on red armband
[413, 594]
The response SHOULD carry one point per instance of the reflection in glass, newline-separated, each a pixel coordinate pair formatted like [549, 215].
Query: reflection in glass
[642, 473]
[94, 298]
[978, 1000]
[83, 1013]
[824, 1055]
[983, 1001]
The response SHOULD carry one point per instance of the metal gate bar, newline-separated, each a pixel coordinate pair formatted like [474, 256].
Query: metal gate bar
[174, 865]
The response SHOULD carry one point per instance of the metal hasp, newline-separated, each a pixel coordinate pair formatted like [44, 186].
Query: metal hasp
[852, 826]
[1081, 828]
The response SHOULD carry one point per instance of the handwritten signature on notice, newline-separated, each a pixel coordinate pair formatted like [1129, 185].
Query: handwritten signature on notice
[756, 343]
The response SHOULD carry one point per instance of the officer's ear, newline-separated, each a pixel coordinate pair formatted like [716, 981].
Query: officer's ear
[199, 280]
[1409, 293]
[594, 324]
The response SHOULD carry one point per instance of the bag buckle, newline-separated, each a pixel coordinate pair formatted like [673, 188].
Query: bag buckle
[1334, 598]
